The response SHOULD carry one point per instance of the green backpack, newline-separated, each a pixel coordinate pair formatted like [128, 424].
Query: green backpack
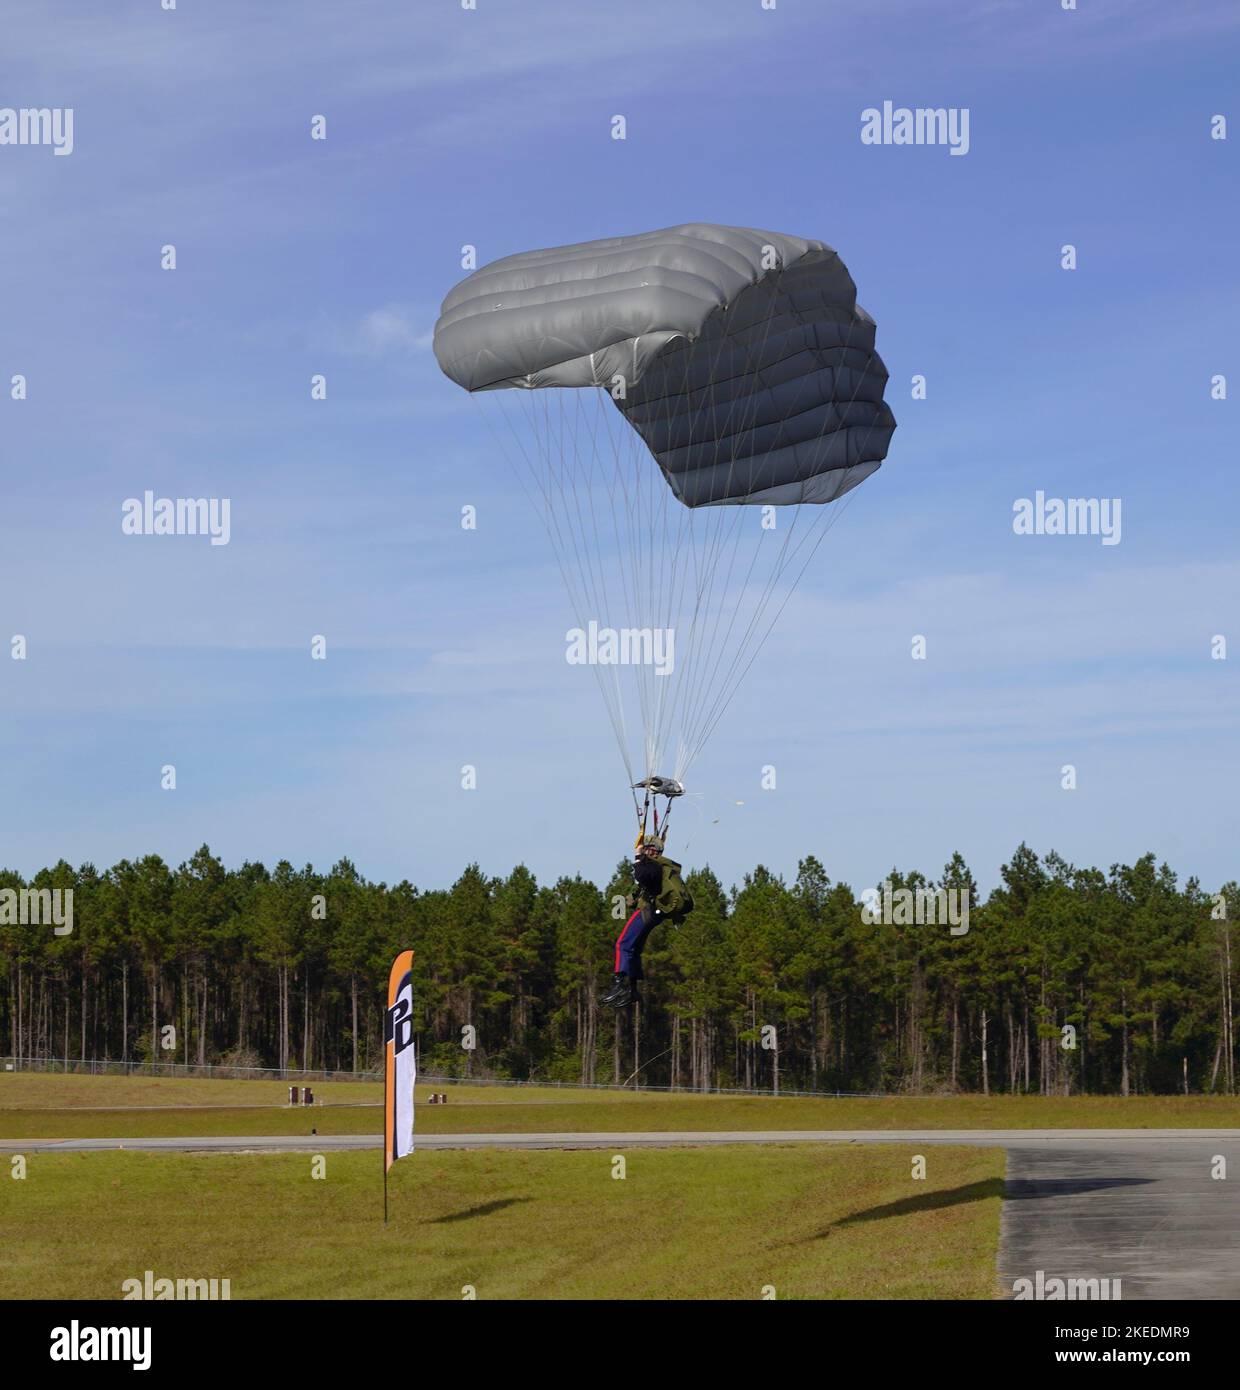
[674, 897]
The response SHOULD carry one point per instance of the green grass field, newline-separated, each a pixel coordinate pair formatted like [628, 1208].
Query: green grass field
[40, 1106]
[690, 1224]
[730, 1222]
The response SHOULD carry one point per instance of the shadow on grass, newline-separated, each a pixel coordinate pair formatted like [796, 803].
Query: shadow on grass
[927, 1201]
[1020, 1190]
[909, 1206]
[486, 1209]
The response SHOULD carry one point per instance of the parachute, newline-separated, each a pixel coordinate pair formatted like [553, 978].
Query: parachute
[671, 382]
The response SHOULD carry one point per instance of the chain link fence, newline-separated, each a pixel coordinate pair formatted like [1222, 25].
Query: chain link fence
[222, 1071]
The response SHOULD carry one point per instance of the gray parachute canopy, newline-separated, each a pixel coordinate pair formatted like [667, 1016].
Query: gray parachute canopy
[740, 357]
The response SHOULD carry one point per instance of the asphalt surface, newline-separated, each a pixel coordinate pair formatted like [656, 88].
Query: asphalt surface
[1053, 1141]
[1137, 1205]
[1144, 1211]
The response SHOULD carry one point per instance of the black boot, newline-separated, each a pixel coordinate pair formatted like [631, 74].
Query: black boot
[618, 984]
[623, 995]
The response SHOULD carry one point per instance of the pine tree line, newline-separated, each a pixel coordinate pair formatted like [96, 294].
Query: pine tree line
[1067, 980]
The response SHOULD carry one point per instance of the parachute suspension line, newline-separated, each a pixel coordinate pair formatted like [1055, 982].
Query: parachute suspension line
[671, 582]
[822, 526]
[702, 671]
[709, 531]
[595, 565]
[711, 686]
[689, 581]
[543, 477]
[726, 524]
[645, 559]
[707, 714]
[605, 503]
[583, 507]
[694, 569]
[666, 576]
[757, 631]
[635, 555]
[623, 526]
[722, 707]
[595, 561]
[560, 483]
[700, 687]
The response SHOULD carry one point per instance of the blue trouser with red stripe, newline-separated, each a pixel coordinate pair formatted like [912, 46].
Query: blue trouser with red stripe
[632, 939]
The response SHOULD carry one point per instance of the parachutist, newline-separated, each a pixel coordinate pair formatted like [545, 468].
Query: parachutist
[661, 895]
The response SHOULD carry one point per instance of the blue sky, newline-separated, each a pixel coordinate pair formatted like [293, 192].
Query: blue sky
[491, 127]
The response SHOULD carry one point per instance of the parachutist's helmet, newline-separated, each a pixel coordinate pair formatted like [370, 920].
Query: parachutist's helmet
[652, 842]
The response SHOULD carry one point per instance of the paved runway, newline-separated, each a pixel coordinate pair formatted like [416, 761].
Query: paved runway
[1138, 1205]
[1031, 1140]
[1144, 1211]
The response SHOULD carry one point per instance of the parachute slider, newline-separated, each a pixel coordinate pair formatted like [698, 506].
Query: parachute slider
[662, 786]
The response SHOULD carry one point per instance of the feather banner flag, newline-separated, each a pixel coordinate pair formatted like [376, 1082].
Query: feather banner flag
[399, 1066]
